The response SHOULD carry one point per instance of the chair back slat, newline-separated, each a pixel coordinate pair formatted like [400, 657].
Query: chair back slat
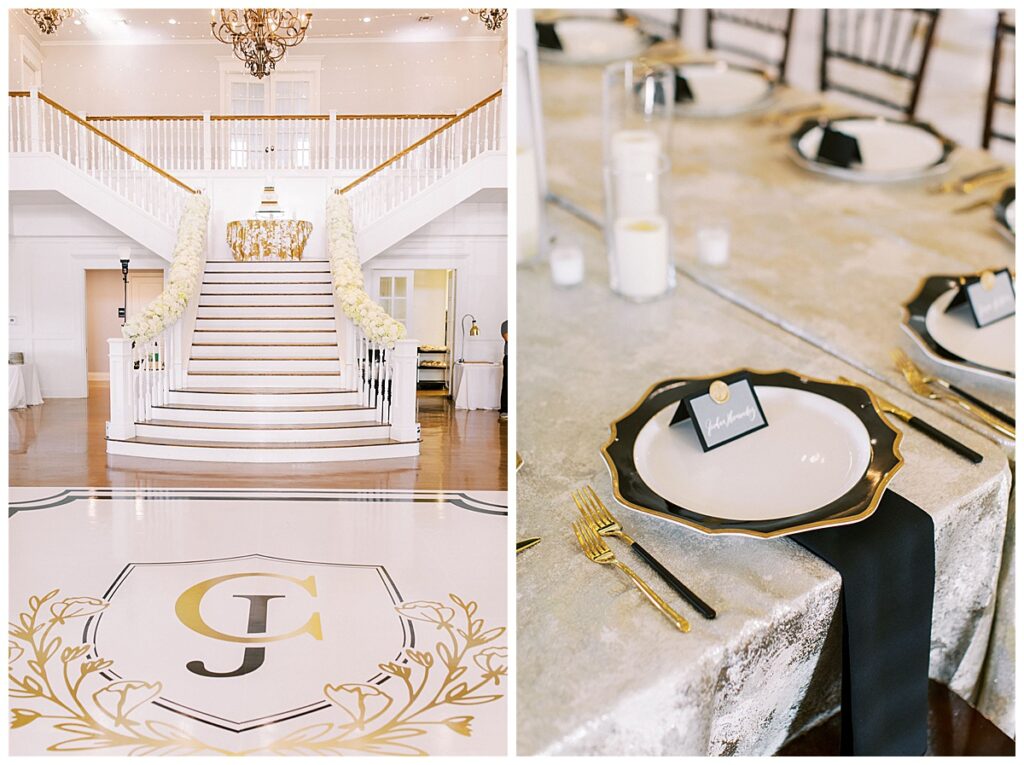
[894, 42]
[1003, 49]
[664, 24]
[749, 33]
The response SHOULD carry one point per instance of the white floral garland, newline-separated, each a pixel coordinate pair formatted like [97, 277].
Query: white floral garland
[347, 274]
[183, 278]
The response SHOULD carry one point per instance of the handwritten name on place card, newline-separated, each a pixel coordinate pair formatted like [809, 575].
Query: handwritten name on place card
[719, 418]
[992, 297]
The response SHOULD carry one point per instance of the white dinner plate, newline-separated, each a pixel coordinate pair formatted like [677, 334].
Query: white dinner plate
[953, 340]
[592, 41]
[722, 90]
[890, 150]
[823, 459]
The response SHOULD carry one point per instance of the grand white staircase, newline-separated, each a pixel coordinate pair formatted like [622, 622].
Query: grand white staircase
[263, 366]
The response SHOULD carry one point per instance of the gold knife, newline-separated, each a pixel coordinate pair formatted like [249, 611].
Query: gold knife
[526, 544]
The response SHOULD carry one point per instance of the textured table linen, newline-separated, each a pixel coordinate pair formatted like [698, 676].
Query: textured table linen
[599, 670]
[22, 386]
[827, 260]
[477, 385]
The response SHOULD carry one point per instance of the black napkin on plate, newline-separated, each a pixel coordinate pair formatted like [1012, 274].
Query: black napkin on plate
[887, 563]
[547, 37]
[683, 92]
[838, 148]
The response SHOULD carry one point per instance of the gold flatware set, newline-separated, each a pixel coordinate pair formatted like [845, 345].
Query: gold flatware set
[597, 522]
[968, 183]
[937, 389]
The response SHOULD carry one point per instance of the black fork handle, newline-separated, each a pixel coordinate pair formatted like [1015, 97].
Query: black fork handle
[688, 595]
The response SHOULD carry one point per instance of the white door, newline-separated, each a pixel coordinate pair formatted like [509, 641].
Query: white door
[393, 291]
[281, 144]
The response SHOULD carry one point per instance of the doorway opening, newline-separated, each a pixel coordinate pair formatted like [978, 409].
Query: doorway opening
[104, 294]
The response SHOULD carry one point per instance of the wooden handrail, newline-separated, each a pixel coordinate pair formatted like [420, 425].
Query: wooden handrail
[432, 134]
[18, 93]
[117, 144]
[239, 117]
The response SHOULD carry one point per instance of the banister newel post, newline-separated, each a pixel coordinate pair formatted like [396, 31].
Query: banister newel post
[403, 391]
[332, 139]
[207, 142]
[34, 117]
[122, 410]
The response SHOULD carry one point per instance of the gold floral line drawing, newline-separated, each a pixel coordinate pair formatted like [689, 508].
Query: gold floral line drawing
[54, 682]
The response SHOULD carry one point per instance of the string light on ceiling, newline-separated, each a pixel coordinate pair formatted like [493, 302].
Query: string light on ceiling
[259, 37]
[48, 19]
[491, 17]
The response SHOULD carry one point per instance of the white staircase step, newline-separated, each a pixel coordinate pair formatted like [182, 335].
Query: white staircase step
[265, 335]
[268, 452]
[277, 323]
[270, 415]
[267, 277]
[244, 348]
[287, 396]
[262, 380]
[242, 310]
[267, 298]
[267, 265]
[261, 433]
[265, 288]
[304, 362]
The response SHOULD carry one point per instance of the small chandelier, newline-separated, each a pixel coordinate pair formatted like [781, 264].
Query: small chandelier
[49, 19]
[491, 17]
[259, 36]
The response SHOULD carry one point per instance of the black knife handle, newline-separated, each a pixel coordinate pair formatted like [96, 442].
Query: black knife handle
[702, 608]
[982, 405]
[948, 441]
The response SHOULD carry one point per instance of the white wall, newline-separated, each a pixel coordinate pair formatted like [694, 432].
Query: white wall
[429, 304]
[356, 77]
[50, 248]
[472, 239]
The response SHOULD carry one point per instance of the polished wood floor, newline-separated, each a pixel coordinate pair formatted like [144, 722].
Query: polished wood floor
[955, 729]
[61, 443]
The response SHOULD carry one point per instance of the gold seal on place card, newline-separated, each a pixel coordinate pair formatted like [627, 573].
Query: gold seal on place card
[719, 392]
[988, 280]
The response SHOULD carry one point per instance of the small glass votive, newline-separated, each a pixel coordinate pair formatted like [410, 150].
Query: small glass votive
[712, 239]
[566, 265]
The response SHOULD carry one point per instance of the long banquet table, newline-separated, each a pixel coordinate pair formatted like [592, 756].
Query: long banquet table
[817, 274]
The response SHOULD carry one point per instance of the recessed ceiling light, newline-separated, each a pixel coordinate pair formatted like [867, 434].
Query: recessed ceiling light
[366, 19]
[78, 22]
[172, 21]
[464, 18]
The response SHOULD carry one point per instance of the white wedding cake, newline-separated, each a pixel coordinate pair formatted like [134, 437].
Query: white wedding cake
[269, 208]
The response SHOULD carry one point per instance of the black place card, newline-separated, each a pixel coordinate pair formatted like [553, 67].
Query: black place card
[990, 296]
[724, 411]
[683, 93]
[838, 148]
[547, 37]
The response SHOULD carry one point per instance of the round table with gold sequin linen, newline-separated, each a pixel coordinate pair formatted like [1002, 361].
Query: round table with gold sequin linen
[268, 239]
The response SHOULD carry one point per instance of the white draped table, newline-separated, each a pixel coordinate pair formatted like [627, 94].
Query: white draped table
[477, 385]
[829, 261]
[599, 670]
[22, 386]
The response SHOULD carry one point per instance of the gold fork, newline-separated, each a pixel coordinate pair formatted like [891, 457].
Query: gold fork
[598, 551]
[921, 385]
[601, 520]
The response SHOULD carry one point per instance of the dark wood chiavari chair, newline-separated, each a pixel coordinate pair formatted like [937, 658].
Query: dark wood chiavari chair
[1002, 56]
[893, 42]
[664, 24]
[765, 24]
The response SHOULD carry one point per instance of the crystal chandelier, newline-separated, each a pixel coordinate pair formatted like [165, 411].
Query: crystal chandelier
[49, 19]
[491, 17]
[259, 36]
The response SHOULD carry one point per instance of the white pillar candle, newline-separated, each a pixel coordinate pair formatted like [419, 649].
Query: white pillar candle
[641, 256]
[713, 244]
[528, 199]
[566, 265]
[635, 164]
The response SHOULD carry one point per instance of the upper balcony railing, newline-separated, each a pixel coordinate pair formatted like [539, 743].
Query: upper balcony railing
[208, 142]
[38, 124]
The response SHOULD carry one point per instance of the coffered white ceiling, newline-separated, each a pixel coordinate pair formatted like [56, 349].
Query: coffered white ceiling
[189, 25]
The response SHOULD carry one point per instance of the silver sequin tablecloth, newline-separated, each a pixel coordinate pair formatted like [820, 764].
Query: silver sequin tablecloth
[599, 670]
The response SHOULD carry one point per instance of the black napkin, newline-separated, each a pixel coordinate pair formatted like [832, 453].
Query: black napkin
[683, 92]
[547, 37]
[838, 148]
[887, 563]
